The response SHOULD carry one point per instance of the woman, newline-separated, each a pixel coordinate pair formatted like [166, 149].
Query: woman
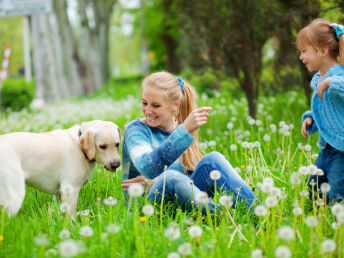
[163, 147]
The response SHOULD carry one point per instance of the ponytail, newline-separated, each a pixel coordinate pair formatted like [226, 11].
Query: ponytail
[341, 48]
[192, 155]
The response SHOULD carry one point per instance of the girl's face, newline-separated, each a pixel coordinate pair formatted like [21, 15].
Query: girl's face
[158, 110]
[311, 57]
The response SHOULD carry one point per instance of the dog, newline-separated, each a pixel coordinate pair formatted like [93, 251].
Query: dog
[60, 161]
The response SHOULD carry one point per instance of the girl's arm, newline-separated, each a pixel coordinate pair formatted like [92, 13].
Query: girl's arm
[336, 86]
[313, 127]
[149, 161]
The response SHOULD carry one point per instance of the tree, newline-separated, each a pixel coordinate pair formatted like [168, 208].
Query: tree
[67, 63]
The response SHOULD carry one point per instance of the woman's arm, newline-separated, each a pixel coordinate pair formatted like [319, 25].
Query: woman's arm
[149, 161]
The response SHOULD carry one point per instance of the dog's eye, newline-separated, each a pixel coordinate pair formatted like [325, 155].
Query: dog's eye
[103, 147]
[117, 145]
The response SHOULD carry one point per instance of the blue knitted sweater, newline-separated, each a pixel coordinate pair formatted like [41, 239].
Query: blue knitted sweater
[328, 113]
[147, 150]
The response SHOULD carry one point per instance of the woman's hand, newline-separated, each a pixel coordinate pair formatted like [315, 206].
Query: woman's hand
[146, 183]
[323, 86]
[196, 119]
[306, 125]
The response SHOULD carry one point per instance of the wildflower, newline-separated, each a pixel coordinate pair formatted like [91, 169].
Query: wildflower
[337, 208]
[226, 201]
[312, 169]
[202, 198]
[86, 231]
[257, 253]
[308, 147]
[173, 255]
[189, 221]
[312, 221]
[273, 128]
[69, 248]
[266, 138]
[113, 229]
[276, 192]
[64, 234]
[233, 147]
[195, 231]
[319, 172]
[243, 166]
[260, 210]
[110, 201]
[251, 121]
[300, 146]
[320, 202]
[328, 246]
[315, 156]
[303, 171]
[340, 217]
[85, 213]
[185, 249]
[295, 179]
[286, 233]
[143, 219]
[282, 252]
[148, 210]
[215, 175]
[1, 238]
[230, 125]
[247, 133]
[270, 202]
[67, 189]
[258, 122]
[304, 193]
[135, 190]
[172, 232]
[41, 240]
[211, 143]
[335, 225]
[65, 207]
[297, 211]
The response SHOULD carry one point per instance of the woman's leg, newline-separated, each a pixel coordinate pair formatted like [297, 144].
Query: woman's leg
[230, 181]
[178, 187]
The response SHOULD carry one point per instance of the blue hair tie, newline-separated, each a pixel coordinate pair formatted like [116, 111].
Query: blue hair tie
[339, 29]
[181, 82]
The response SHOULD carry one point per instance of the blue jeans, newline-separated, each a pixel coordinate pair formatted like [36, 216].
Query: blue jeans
[331, 162]
[179, 187]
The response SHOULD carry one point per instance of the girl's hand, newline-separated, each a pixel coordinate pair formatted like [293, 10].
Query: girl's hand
[323, 86]
[306, 125]
[196, 119]
[146, 183]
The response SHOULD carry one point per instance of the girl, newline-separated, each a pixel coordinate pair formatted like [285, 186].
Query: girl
[320, 44]
[167, 137]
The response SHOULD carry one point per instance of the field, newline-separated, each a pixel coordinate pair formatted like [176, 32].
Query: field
[268, 152]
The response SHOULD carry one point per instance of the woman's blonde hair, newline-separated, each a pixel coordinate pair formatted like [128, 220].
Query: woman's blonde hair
[172, 90]
[319, 34]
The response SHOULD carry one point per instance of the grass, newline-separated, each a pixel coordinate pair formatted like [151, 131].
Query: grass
[35, 230]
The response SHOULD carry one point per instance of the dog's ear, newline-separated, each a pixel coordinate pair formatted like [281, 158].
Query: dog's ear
[119, 133]
[87, 143]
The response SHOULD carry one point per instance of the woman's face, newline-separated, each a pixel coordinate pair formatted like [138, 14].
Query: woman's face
[158, 110]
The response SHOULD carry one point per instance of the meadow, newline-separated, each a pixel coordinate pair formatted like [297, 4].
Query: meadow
[269, 152]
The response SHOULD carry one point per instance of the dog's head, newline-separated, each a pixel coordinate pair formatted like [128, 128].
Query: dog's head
[100, 140]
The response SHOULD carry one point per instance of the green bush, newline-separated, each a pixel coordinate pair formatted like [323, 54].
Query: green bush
[16, 94]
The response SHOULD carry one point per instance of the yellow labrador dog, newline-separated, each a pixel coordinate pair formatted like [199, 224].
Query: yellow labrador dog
[56, 160]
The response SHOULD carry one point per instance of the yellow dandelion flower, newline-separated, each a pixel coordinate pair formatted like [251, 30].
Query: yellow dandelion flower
[243, 166]
[1, 238]
[143, 219]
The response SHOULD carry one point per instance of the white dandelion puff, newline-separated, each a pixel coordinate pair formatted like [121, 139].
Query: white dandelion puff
[110, 201]
[148, 210]
[215, 175]
[226, 201]
[86, 231]
[64, 234]
[257, 253]
[172, 232]
[113, 228]
[260, 210]
[283, 252]
[41, 240]
[69, 248]
[311, 221]
[328, 246]
[185, 249]
[65, 207]
[286, 233]
[173, 255]
[135, 190]
[202, 198]
[271, 201]
[195, 231]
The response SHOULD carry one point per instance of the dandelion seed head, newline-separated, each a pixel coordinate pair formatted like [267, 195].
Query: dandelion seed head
[266, 138]
[233, 147]
[308, 147]
[195, 231]
[69, 248]
[295, 179]
[65, 207]
[297, 211]
[173, 255]
[185, 249]
[283, 252]
[260, 210]
[337, 208]
[311, 221]
[67, 189]
[113, 228]
[148, 210]
[271, 201]
[202, 198]
[303, 170]
[226, 201]
[135, 190]
[328, 246]
[64, 234]
[172, 232]
[110, 201]
[41, 240]
[286, 233]
[257, 253]
[86, 231]
[215, 175]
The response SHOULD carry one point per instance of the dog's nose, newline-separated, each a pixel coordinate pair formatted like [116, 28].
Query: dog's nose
[115, 165]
